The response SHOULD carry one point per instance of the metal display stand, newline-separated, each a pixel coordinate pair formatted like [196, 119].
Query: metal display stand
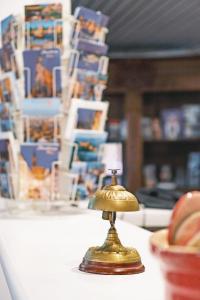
[63, 182]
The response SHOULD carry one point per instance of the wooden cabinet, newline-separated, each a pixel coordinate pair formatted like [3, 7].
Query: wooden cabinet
[165, 151]
[146, 87]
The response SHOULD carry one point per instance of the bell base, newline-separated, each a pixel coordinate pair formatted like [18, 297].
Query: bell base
[111, 268]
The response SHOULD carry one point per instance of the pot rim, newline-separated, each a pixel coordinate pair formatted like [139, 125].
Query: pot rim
[159, 245]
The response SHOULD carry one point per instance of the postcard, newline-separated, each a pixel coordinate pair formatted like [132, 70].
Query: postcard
[9, 31]
[88, 177]
[8, 60]
[87, 85]
[6, 118]
[43, 34]
[88, 119]
[41, 129]
[90, 24]
[43, 27]
[41, 121]
[8, 164]
[35, 167]
[85, 61]
[9, 101]
[42, 73]
[86, 116]
[9, 92]
[86, 46]
[89, 145]
[47, 107]
[49, 11]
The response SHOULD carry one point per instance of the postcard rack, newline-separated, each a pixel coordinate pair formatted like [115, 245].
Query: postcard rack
[60, 117]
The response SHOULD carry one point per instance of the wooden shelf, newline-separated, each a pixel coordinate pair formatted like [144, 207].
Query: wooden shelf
[183, 140]
[188, 188]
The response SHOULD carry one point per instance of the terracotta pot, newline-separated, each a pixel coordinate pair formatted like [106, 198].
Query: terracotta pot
[180, 267]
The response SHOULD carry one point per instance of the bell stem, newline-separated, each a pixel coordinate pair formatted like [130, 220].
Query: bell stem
[113, 218]
[110, 216]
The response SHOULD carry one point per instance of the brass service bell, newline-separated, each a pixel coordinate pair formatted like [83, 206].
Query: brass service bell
[112, 257]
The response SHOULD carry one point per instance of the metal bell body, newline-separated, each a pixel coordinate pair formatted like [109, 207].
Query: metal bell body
[114, 198]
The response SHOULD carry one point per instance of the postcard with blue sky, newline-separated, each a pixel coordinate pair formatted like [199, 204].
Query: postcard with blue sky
[88, 145]
[89, 174]
[88, 85]
[43, 34]
[42, 73]
[90, 24]
[36, 163]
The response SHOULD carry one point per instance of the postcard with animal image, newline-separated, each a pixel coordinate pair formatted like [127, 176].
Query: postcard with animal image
[42, 73]
[8, 61]
[89, 145]
[86, 116]
[89, 175]
[43, 34]
[9, 31]
[8, 163]
[90, 24]
[35, 168]
[87, 85]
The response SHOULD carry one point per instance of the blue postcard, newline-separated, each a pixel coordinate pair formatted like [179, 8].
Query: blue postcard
[6, 120]
[89, 119]
[88, 85]
[88, 56]
[89, 145]
[88, 177]
[9, 31]
[40, 120]
[42, 73]
[36, 167]
[85, 46]
[85, 61]
[90, 24]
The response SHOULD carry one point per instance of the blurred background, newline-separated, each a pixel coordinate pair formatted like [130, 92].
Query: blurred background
[154, 90]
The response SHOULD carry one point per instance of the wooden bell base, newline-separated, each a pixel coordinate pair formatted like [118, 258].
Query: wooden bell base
[111, 268]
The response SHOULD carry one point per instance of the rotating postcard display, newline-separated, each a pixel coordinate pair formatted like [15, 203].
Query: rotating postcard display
[57, 124]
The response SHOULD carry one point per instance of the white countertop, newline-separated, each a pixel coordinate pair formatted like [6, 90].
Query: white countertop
[40, 260]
